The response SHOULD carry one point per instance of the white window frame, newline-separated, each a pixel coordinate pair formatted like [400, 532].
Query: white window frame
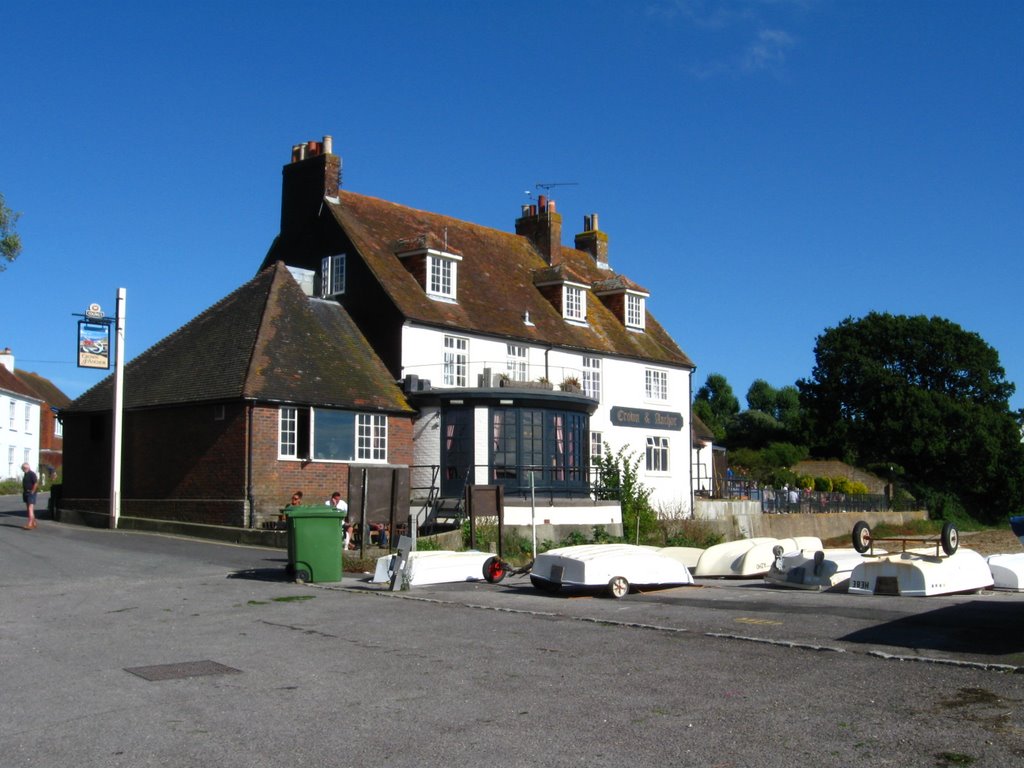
[288, 432]
[13, 408]
[333, 274]
[596, 446]
[574, 302]
[657, 454]
[456, 361]
[28, 419]
[516, 362]
[371, 437]
[636, 311]
[442, 275]
[656, 385]
[592, 377]
[58, 427]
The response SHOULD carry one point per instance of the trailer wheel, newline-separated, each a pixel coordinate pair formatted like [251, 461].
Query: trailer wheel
[618, 587]
[494, 570]
[862, 537]
[301, 575]
[543, 585]
[950, 538]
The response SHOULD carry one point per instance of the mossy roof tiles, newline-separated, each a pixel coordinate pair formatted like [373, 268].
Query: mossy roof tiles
[495, 282]
[44, 388]
[266, 341]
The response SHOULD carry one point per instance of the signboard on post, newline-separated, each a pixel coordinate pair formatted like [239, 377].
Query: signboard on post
[93, 344]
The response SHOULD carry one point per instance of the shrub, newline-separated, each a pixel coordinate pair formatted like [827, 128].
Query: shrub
[692, 533]
[823, 484]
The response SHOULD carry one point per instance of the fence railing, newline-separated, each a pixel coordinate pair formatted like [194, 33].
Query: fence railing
[791, 500]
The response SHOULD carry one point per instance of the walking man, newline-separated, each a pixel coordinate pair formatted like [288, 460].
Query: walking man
[29, 486]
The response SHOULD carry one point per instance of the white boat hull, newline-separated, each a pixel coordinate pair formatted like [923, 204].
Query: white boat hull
[1007, 572]
[596, 565]
[828, 572]
[921, 573]
[748, 558]
[435, 567]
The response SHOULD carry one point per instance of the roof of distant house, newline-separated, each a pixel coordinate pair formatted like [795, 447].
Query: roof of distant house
[45, 389]
[266, 341]
[9, 382]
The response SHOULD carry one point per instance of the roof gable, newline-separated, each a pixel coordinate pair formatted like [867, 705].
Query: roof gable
[265, 341]
[9, 382]
[44, 389]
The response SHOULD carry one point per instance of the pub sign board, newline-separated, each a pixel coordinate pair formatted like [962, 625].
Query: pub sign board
[93, 344]
[645, 419]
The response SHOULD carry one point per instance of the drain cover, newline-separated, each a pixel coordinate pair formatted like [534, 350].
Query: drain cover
[182, 670]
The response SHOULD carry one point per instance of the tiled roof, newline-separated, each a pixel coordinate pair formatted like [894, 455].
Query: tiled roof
[45, 389]
[267, 341]
[11, 383]
[495, 282]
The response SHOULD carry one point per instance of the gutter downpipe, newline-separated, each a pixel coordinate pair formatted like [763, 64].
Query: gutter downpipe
[248, 465]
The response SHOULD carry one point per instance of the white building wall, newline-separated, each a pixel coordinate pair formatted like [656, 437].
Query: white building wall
[19, 434]
[623, 385]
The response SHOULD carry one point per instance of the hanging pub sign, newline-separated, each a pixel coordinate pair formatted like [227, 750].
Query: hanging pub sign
[94, 339]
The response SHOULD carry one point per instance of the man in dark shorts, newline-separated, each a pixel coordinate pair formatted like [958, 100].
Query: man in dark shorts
[29, 486]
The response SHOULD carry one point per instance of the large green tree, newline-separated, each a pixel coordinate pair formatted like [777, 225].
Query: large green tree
[924, 394]
[10, 241]
[715, 404]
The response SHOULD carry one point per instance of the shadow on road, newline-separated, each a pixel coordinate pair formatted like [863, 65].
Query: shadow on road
[977, 627]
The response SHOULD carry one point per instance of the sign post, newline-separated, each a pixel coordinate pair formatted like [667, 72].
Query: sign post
[115, 458]
[94, 352]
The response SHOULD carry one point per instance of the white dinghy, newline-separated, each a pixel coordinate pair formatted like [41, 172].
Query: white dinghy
[921, 573]
[748, 558]
[1007, 571]
[616, 567]
[441, 567]
[823, 570]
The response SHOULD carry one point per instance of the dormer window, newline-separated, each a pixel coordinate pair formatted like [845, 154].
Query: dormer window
[635, 311]
[442, 271]
[436, 270]
[332, 275]
[574, 302]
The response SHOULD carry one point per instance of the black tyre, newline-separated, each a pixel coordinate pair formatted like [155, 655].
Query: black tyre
[950, 538]
[819, 559]
[862, 537]
[544, 585]
[618, 587]
[494, 570]
[302, 575]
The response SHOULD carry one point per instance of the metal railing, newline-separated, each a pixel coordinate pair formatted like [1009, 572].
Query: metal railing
[793, 501]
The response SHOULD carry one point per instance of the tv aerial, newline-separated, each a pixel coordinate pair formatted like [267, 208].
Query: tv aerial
[547, 186]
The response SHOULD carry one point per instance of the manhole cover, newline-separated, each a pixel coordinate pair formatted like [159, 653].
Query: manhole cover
[182, 670]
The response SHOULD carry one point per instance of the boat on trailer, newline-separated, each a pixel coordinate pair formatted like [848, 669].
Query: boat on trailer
[441, 567]
[821, 570]
[748, 558]
[617, 568]
[941, 568]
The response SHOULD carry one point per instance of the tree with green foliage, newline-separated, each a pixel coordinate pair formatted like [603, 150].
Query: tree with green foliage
[923, 394]
[10, 241]
[715, 404]
[620, 479]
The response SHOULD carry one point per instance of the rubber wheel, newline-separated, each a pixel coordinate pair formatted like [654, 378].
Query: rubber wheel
[544, 585]
[494, 570]
[950, 538]
[618, 587]
[862, 537]
[302, 575]
[819, 558]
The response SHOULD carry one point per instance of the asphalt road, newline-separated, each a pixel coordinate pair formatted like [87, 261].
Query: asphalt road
[723, 674]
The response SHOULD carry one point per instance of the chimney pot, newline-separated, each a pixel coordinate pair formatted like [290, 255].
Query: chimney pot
[328, 144]
[542, 203]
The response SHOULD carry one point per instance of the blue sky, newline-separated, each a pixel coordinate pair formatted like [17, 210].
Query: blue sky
[765, 169]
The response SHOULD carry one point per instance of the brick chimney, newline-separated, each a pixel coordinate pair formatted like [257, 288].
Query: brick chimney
[313, 174]
[542, 225]
[593, 241]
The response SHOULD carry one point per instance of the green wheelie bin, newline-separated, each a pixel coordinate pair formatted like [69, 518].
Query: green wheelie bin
[314, 543]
